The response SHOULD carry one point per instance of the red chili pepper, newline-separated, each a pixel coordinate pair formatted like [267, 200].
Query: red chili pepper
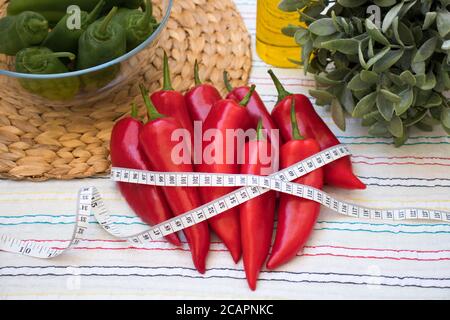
[158, 146]
[338, 173]
[201, 98]
[171, 103]
[296, 216]
[257, 215]
[148, 202]
[225, 115]
[256, 107]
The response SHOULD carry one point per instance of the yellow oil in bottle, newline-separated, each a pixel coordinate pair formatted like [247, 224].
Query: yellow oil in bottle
[272, 45]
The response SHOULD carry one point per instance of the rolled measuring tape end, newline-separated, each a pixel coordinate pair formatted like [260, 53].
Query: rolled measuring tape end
[90, 202]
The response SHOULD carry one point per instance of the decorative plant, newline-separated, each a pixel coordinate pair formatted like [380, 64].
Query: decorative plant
[384, 61]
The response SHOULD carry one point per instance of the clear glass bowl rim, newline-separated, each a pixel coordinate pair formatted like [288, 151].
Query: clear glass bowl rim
[101, 66]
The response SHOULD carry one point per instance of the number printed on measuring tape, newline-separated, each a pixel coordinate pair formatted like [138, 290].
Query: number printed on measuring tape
[90, 202]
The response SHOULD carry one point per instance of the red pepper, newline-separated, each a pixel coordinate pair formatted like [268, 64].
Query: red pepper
[256, 107]
[257, 215]
[148, 202]
[171, 103]
[338, 173]
[296, 216]
[225, 115]
[201, 98]
[157, 144]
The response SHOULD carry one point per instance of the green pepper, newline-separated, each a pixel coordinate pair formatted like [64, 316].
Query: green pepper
[103, 41]
[22, 31]
[137, 24]
[61, 38]
[55, 10]
[41, 60]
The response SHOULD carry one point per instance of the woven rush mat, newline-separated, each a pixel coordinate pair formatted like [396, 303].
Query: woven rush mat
[39, 142]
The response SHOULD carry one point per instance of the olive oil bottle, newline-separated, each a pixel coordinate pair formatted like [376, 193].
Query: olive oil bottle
[272, 45]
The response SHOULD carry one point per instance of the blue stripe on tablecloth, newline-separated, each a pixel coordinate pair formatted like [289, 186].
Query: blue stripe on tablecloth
[206, 277]
[316, 229]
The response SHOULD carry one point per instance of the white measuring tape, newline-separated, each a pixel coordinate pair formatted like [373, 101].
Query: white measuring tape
[90, 202]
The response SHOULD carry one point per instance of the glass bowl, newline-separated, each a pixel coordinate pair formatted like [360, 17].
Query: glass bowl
[109, 77]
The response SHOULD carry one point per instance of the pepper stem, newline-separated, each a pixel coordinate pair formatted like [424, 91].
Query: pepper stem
[295, 131]
[226, 81]
[144, 22]
[153, 114]
[41, 57]
[167, 84]
[93, 15]
[246, 99]
[196, 75]
[259, 131]
[101, 30]
[134, 110]
[282, 93]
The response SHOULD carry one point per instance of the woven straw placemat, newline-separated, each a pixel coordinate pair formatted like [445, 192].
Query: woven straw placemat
[40, 142]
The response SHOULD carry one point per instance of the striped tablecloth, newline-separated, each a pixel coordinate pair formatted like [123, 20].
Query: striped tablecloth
[345, 258]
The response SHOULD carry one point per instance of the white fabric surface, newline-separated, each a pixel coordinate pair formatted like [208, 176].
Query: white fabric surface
[346, 258]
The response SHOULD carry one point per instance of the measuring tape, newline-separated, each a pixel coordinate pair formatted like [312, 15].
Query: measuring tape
[90, 202]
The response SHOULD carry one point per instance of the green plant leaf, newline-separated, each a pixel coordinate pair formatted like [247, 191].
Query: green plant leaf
[378, 129]
[385, 3]
[324, 80]
[446, 45]
[407, 7]
[321, 94]
[405, 34]
[365, 105]
[323, 27]
[351, 3]
[346, 46]
[424, 126]
[435, 112]
[445, 118]
[430, 18]
[390, 96]
[446, 130]
[301, 36]
[434, 101]
[426, 50]
[369, 76]
[377, 57]
[370, 49]
[375, 33]
[347, 101]
[421, 97]
[408, 78]
[395, 127]
[290, 30]
[362, 61]
[290, 5]
[418, 68]
[407, 98]
[430, 81]
[443, 23]
[395, 78]
[385, 107]
[415, 119]
[337, 114]
[307, 50]
[387, 61]
[338, 74]
[318, 40]
[390, 16]
[358, 84]
[399, 141]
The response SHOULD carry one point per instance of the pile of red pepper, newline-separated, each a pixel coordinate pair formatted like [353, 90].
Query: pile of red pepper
[245, 230]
